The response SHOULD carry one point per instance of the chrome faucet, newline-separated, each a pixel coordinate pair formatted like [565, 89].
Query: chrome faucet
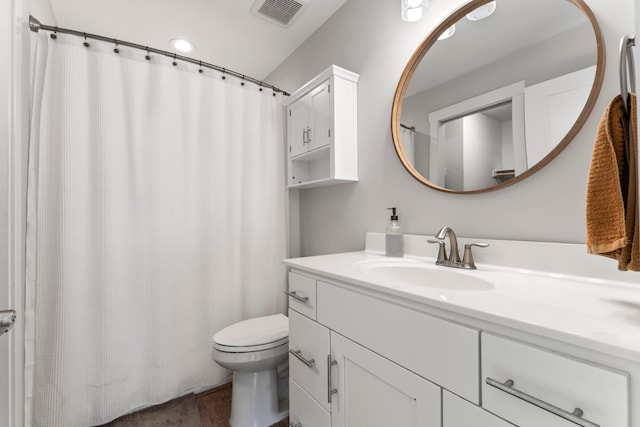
[454, 255]
[453, 259]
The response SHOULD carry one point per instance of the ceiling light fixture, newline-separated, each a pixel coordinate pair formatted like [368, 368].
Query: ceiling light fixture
[448, 32]
[181, 45]
[412, 9]
[482, 12]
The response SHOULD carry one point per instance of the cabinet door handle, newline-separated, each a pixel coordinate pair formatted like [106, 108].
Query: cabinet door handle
[575, 416]
[308, 135]
[304, 136]
[294, 295]
[298, 355]
[330, 390]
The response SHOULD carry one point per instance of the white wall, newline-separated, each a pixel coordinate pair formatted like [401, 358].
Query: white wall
[14, 116]
[42, 11]
[6, 300]
[482, 150]
[508, 159]
[368, 37]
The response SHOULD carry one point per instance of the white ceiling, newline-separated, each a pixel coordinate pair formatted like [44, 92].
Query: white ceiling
[224, 32]
[514, 26]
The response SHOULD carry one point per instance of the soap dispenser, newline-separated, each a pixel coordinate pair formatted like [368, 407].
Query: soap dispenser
[393, 237]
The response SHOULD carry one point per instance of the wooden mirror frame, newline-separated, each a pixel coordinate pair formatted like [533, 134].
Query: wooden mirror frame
[420, 52]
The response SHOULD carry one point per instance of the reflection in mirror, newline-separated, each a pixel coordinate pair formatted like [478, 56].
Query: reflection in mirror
[498, 99]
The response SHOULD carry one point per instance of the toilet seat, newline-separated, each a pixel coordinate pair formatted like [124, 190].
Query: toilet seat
[261, 333]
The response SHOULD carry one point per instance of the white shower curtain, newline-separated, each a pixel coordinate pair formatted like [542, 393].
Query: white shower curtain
[156, 217]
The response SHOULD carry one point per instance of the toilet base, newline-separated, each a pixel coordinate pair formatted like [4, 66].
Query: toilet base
[254, 399]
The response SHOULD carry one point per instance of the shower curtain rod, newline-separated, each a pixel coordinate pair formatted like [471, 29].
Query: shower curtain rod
[36, 25]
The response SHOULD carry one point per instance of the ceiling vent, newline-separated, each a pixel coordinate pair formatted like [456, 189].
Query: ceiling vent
[280, 12]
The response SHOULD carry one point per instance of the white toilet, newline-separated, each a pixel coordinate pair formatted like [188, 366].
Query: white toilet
[253, 349]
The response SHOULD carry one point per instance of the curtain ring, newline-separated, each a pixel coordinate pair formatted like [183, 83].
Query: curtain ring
[147, 57]
[86, 43]
[260, 86]
[54, 35]
[242, 82]
[116, 50]
[175, 63]
[200, 70]
[224, 70]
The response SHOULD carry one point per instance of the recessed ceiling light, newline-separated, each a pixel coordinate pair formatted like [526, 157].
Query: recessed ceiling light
[448, 32]
[182, 45]
[412, 9]
[482, 12]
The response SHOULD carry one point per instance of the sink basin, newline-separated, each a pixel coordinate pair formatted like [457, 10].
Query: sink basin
[418, 273]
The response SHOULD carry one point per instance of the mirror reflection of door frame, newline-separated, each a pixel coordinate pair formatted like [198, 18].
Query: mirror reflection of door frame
[513, 93]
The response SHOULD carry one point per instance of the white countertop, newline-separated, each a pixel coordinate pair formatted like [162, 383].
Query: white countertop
[595, 313]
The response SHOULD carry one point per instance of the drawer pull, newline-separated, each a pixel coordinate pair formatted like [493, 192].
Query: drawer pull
[292, 424]
[575, 416]
[294, 295]
[330, 390]
[298, 355]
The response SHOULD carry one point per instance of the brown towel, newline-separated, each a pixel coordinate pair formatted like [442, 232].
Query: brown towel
[612, 197]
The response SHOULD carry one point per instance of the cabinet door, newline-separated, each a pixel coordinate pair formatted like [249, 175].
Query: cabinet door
[457, 412]
[297, 127]
[375, 392]
[320, 116]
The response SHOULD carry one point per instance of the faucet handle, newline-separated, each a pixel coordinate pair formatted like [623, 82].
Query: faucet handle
[467, 259]
[442, 253]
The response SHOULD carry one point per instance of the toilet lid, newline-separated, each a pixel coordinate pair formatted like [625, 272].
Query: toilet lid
[256, 332]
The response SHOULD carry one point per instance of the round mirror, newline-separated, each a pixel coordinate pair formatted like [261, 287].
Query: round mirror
[496, 91]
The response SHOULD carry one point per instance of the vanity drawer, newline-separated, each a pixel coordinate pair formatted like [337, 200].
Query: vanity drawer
[550, 378]
[302, 294]
[308, 368]
[443, 352]
[303, 410]
[457, 412]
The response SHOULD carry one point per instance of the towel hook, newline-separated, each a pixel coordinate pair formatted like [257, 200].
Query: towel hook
[627, 61]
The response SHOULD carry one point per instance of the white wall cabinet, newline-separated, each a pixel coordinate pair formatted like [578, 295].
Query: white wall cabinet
[322, 130]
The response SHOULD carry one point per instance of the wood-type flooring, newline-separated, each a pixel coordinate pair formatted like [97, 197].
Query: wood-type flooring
[211, 408]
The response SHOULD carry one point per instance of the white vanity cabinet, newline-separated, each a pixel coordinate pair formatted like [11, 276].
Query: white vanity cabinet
[362, 368]
[363, 358]
[542, 347]
[322, 130]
